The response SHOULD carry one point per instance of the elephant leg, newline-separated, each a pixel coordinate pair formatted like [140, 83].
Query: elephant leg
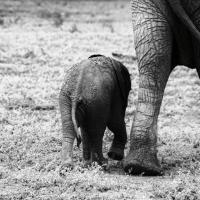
[116, 151]
[96, 147]
[68, 136]
[86, 147]
[95, 131]
[153, 43]
[95, 124]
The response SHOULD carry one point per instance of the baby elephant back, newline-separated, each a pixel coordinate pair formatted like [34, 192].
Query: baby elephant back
[107, 66]
[98, 82]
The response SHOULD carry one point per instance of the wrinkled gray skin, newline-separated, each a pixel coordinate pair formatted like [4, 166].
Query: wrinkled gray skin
[93, 97]
[154, 45]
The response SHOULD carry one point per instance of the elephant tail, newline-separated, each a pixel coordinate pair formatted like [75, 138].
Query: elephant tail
[76, 108]
[76, 128]
[182, 15]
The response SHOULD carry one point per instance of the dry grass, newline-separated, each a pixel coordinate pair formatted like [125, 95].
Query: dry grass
[38, 41]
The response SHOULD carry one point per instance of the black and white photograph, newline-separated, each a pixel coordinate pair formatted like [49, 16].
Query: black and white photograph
[99, 99]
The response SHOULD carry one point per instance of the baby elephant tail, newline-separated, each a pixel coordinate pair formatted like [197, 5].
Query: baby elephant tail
[76, 128]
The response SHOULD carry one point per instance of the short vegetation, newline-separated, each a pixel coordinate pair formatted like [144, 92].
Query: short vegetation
[39, 40]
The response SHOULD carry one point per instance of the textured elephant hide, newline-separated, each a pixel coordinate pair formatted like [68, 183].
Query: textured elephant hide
[186, 49]
[122, 76]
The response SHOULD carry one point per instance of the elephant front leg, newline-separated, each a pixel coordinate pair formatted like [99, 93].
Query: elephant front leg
[153, 48]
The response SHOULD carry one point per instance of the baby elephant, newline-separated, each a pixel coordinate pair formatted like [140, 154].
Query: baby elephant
[93, 97]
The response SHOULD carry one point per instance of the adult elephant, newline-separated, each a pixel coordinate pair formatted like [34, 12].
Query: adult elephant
[166, 35]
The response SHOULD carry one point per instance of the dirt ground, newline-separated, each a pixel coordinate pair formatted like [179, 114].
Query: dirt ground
[39, 40]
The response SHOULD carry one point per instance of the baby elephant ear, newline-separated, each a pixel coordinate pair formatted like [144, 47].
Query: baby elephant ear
[96, 55]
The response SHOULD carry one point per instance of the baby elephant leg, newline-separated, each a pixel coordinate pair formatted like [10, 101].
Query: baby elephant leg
[96, 138]
[96, 153]
[86, 142]
[116, 151]
[68, 130]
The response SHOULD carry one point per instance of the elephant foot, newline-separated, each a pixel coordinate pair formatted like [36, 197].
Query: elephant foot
[87, 163]
[116, 153]
[142, 162]
[99, 159]
[104, 162]
[95, 157]
[66, 166]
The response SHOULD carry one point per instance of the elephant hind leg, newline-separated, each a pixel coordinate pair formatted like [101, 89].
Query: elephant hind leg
[95, 124]
[92, 144]
[153, 42]
[96, 147]
[86, 147]
[68, 136]
[142, 162]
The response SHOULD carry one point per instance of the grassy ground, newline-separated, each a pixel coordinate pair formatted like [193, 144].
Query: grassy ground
[38, 41]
